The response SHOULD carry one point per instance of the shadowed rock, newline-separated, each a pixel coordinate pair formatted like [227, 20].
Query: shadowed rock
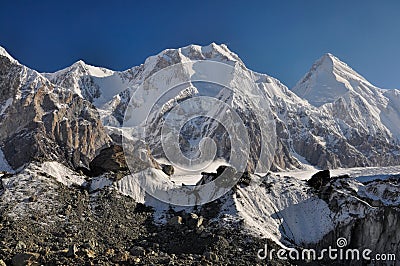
[168, 169]
[319, 179]
[110, 159]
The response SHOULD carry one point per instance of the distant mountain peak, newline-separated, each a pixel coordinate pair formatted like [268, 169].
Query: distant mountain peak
[341, 68]
[3, 52]
[327, 57]
[328, 79]
[328, 61]
[79, 63]
[82, 68]
[213, 51]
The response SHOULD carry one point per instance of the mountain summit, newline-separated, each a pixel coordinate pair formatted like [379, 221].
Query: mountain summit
[352, 100]
[3, 52]
[328, 80]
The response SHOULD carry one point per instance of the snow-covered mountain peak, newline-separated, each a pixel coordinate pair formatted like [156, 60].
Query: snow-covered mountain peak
[79, 63]
[3, 52]
[330, 79]
[192, 52]
[213, 51]
[100, 85]
[87, 81]
[327, 59]
[340, 68]
[81, 68]
[333, 86]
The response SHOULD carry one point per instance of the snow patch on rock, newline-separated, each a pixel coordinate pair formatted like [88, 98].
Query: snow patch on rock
[62, 174]
[4, 166]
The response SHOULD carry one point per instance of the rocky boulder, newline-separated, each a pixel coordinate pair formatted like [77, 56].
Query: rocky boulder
[245, 179]
[111, 159]
[137, 251]
[319, 179]
[175, 221]
[193, 220]
[168, 169]
[25, 259]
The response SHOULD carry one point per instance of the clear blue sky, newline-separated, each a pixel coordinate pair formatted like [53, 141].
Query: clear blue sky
[280, 38]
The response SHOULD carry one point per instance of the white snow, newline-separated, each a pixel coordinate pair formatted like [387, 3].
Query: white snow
[100, 182]
[182, 176]
[3, 52]
[362, 174]
[156, 181]
[5, 106]
[129, 186]
[62, 174]
[281, 209]
[99, 72]
[4, 166]
[109, 87]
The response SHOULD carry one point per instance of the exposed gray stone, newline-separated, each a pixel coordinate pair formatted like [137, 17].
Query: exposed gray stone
[211, 256]
[72, 249]
[137, 251]
[175, 221]
[168, 169]
[25, 259]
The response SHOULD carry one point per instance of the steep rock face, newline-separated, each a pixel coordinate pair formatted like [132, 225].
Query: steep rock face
[41, 120]
[305, 134]
[377, 231]
[367, 215]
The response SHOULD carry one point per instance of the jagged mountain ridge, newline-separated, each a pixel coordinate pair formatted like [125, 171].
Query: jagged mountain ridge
[42, 121]
[315, 134]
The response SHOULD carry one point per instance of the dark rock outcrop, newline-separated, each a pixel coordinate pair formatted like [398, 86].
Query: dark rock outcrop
[23, 259]
[111, 159]
[319, 179]
[168, 169]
